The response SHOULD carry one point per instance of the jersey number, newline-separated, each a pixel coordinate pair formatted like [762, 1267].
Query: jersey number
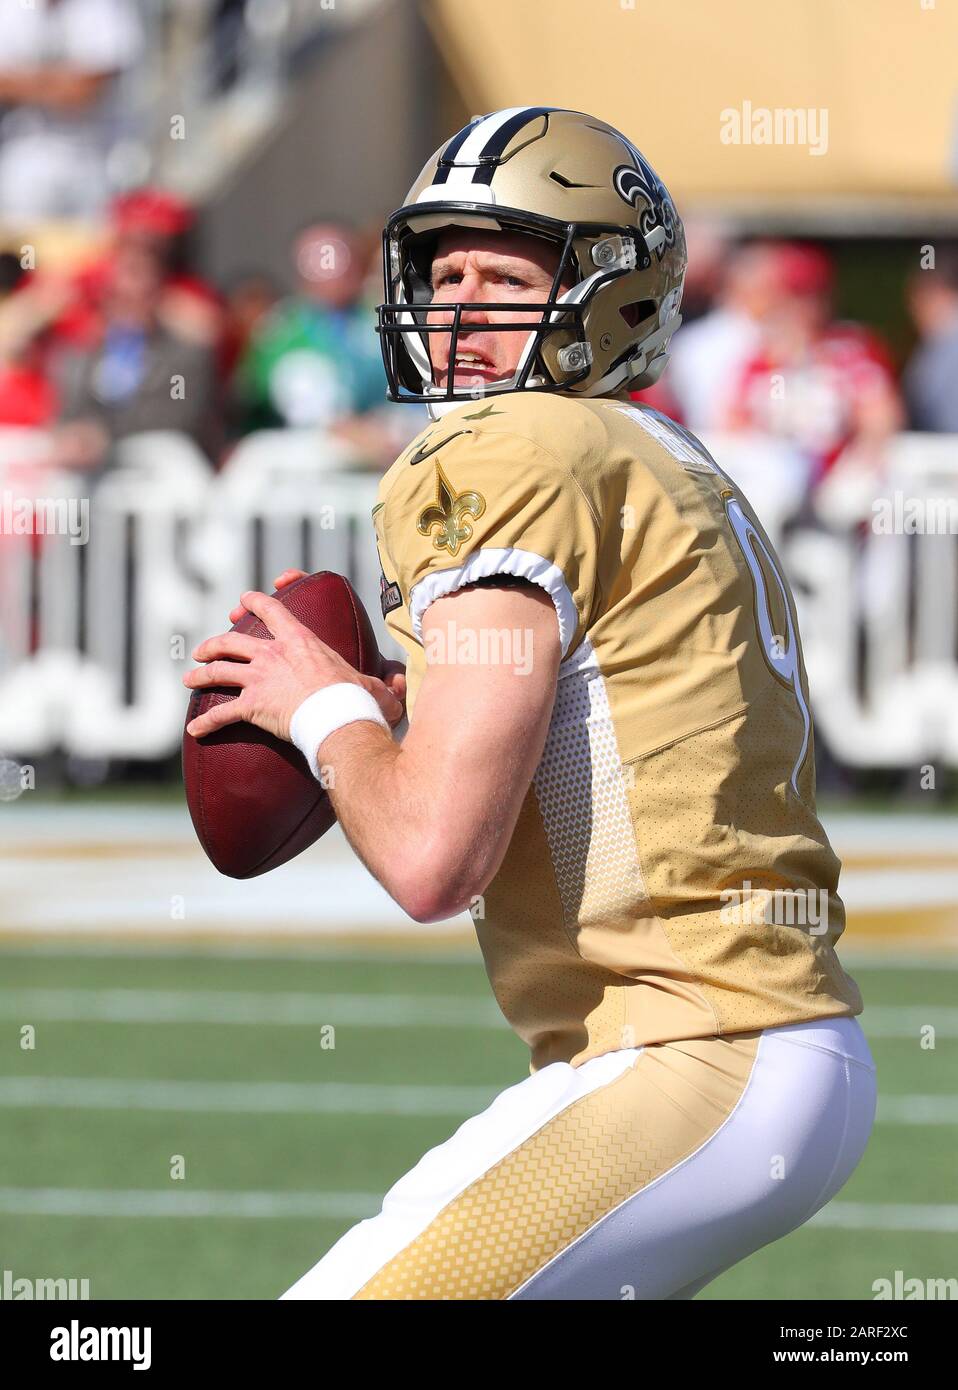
[781, 649]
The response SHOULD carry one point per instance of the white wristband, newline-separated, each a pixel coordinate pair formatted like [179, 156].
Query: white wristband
[327, 710]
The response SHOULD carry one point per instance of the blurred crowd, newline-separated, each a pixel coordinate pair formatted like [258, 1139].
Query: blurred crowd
[761, 355]
[99, 345]
[134, 338]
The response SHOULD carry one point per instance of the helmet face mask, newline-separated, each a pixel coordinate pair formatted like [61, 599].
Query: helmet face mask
[624, 261]
[405, 330]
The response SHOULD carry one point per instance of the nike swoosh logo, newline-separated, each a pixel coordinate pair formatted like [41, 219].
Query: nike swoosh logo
[421, 454]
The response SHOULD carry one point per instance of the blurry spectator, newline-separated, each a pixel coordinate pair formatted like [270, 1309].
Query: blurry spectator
[159, 222]
[249, 299]
[52, 316]
[138, 375]
[69, 307]
[190, 308]
[58, 62]
[708, 355]
[708, 247]
[11, 272]
[26, 397]
[826, 388]
[931, 377]
[315, 359]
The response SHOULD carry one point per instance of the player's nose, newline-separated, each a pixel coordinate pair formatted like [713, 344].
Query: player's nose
[476, 313]
[471, 291]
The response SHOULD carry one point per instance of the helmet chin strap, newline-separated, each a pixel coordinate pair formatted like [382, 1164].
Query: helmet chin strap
[438, 408]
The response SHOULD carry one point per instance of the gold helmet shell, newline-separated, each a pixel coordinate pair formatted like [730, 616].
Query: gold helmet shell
[579, 183]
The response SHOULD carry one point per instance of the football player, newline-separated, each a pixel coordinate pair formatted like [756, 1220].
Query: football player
[609, 757]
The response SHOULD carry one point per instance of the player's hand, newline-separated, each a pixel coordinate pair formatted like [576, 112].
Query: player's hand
[280, 582]
[394, 672]
[274, 678]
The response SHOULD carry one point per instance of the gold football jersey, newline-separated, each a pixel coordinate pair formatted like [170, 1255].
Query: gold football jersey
[668, 877]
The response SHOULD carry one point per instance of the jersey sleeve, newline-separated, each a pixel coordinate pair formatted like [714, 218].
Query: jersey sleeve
[492, 504]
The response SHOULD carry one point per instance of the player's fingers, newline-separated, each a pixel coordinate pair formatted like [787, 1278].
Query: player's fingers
[235, 644]
[217, 673]
[229, 712]
[281, 581]
[272, 613]
[288, 577]
[394, 677]
[391, 707]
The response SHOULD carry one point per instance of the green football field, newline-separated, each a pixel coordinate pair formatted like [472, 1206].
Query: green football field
[290, 1092]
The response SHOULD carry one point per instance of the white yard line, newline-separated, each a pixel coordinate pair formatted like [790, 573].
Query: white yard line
[909, 1020]
[277, 1008]
[242, 1097]
[886, 1216]
[87, 1202]
[68, 1201]
[918, 1110]
[330, 1098]
[249, 1008]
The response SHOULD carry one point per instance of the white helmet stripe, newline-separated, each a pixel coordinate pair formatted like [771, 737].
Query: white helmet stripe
[474, 145]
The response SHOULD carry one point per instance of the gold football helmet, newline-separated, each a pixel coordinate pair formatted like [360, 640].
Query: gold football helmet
[584, 187]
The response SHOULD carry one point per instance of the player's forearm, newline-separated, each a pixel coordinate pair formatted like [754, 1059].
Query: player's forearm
[400, 818]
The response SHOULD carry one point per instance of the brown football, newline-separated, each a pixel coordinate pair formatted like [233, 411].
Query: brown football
[254, 802]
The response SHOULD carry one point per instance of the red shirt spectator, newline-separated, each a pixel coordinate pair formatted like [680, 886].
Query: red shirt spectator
[822, 386]
[26, 397]
[816, 400]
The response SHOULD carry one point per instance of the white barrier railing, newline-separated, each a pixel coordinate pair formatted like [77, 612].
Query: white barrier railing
[879, 614]
[94, 637]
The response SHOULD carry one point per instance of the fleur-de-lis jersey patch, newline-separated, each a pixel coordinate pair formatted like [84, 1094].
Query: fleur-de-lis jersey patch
[449, 516]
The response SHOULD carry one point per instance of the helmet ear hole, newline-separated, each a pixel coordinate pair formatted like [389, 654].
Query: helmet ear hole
[419, 253]
[637, 312]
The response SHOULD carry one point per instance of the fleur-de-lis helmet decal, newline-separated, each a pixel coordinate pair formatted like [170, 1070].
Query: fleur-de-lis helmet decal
[451, 515]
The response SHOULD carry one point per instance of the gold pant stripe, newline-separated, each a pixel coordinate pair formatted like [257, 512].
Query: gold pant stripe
[579, 1166]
